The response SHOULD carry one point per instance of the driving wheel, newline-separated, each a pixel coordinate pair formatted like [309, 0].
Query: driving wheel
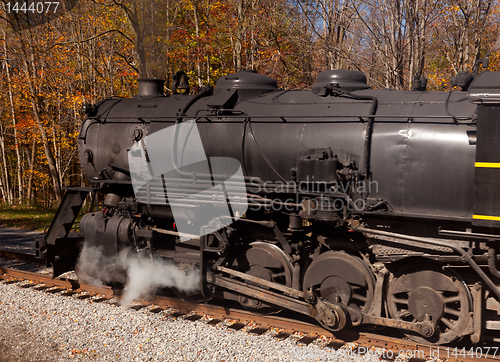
[427, 290]
[268, 262]
[341, 277]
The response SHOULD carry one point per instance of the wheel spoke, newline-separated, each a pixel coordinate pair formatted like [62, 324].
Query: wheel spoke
[278, 275]
[452, 311]
[448, 322]
[400, 301]
[453, 299]
[356, 287]
[359, 297]
[403, 313]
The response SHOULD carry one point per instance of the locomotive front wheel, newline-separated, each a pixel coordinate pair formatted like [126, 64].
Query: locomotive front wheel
[426, 289]
[340, 277]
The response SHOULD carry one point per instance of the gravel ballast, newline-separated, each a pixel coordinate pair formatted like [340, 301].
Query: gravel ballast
[37, 326]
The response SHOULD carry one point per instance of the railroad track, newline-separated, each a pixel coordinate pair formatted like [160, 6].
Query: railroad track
[386, 348]
[11, 254]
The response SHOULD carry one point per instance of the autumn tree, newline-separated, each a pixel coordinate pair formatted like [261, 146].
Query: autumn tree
[463, 32]
[98, 48]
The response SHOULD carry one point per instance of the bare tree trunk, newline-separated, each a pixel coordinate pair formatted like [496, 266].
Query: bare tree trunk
[2, 190]
[197, 32]
[31, 166]
[14, 124]
[139, 27]
[238, 44]
[45, 142]
[253, 42]
[7, 187]
[55, 145]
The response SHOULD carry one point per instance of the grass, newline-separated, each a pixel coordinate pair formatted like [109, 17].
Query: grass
[27, 217]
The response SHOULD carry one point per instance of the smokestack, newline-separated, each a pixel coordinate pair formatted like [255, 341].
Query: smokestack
[151, 87]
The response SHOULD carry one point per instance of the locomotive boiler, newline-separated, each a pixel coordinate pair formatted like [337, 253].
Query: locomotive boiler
[350, 205]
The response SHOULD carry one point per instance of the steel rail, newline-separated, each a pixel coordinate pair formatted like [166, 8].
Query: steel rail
[365, 341]
[11, 254]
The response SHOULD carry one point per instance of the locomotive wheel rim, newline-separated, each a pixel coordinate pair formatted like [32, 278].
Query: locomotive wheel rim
[418, 289]
[331, 273]
[279, 255]
[281, 276]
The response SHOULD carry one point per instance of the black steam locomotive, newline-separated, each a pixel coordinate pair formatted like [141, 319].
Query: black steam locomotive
[347, 204]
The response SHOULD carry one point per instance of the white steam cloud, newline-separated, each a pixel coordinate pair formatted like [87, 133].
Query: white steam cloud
[142, 276]
[145, 276]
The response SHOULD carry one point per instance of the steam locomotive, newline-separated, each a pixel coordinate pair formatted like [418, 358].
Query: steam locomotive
[350, 205]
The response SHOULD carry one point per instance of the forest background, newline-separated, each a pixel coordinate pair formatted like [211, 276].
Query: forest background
[86, 50]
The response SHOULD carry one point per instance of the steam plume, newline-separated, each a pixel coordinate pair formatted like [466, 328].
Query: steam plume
[141, 275]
